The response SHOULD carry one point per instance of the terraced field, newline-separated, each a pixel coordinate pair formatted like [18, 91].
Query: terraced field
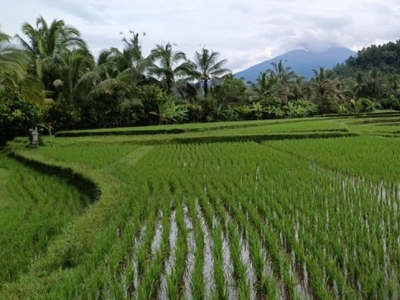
[306, 209]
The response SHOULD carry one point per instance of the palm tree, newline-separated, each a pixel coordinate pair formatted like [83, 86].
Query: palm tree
[131, 56]
[47, 46]
[374, 83]
[115, 82]
[169, 65]
[72, 84]
[121, 70]
[393, 86]
[285, 78]
[12, 60]
[323, 88]
[47, 40]
[127, 61]
[263, 86]
[360, 86]
[109, 93]
[207, 67]
[14, 72]
[282, 73]
[298, 87]
[107, 78]
[345, 90]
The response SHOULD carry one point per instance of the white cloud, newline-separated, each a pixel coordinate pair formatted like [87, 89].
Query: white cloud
[245, 33]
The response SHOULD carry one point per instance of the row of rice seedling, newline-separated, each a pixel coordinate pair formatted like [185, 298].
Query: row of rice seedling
[202, 262]
[240, 220]
[393, 118]
[371, 157]
[243, 272]
[152, 263]
[324, 185]
[152, 247]
[305, 126]
[210, 220]
[175, 288]
[211, 259]
[244, 285]
[350, 189]
[170, 128]
[222, 189]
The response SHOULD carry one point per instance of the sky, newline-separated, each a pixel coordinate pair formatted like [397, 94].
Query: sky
[244, 32]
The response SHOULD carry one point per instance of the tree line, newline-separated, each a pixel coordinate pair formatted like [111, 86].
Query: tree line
[49, 76]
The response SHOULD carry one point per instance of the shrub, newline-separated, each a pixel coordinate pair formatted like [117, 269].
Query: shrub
[16, 116]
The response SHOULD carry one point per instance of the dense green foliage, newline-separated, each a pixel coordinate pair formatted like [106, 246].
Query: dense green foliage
[16, 116]
[385, 58]
[53, 67]
[374, 73]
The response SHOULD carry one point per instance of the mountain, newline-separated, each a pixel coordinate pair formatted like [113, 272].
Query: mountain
[301, 61]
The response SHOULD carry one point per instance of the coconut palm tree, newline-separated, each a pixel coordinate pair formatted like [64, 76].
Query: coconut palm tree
[298, 87]
[12, 60]
[393, 85]
[14, 73]
[131, 56]
[72, 84]
[115, 82]
[374, 83]
[359, 85]
[47, 45]
[208, 67]
[282, 73]
[324, 89]
[121, 70]
[169, 66]
[263, 87]
[285, 79]
[45, 40]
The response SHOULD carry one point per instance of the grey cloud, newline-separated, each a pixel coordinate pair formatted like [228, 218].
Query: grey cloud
[89, 12]
[243, 32]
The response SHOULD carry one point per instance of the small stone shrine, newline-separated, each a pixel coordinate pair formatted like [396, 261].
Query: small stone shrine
[35, 137]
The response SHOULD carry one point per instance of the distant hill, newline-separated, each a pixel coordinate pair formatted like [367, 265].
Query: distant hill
[301, 61]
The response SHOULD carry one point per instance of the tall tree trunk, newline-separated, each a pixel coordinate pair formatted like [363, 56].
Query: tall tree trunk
[205, 88]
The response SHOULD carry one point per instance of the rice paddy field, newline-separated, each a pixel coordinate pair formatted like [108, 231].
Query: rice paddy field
[288, 209]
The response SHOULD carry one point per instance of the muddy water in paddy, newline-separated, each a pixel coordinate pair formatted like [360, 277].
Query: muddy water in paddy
[300, 276]
[228, 268]
[190, 259]
[208, 271]
[156, 242]
[246, 260]
[136, 244]
[169, 265]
